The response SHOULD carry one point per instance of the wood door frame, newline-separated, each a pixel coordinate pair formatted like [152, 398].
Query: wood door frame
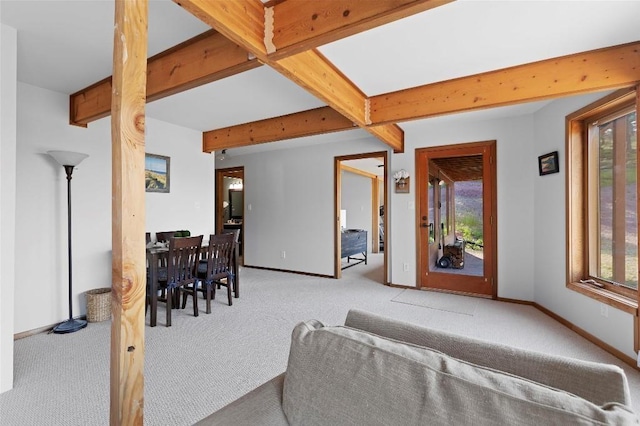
[490, 209]
[337, 193]
[236, 172]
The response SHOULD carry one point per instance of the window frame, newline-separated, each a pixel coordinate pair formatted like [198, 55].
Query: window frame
[577, 127]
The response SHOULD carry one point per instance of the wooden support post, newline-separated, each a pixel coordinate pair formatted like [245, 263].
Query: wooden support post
[128, 213]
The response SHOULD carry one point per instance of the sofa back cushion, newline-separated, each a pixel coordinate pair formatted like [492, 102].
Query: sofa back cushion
[596, 382]
[338, 375]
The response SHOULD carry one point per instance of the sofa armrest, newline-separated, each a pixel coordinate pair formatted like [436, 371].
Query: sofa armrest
[595, 382]
[261, 406]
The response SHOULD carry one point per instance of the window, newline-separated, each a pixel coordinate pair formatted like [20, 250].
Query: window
[602, 194]
[612, 193]
[432, 212]
[444, 207]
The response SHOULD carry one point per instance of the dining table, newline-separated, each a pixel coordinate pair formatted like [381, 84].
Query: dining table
[156, 254]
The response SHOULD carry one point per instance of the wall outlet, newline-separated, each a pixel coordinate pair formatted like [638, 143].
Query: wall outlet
[283, 254]
[604, 311]
[405, 267]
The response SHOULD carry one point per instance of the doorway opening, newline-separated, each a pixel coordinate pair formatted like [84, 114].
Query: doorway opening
[360, 199]
[230, 203]
[457, 220]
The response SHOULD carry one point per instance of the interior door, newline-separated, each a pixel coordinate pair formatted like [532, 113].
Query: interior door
[440, 230]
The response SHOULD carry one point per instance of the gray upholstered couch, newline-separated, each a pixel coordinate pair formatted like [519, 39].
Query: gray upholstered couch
[378, 371]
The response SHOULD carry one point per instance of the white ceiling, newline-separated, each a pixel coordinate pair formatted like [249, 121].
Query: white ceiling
[67, 45]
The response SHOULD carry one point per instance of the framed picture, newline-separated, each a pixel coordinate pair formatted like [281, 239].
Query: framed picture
[548, 163]
[156, 173]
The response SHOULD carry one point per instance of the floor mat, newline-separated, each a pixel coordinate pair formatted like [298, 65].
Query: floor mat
[441, 301]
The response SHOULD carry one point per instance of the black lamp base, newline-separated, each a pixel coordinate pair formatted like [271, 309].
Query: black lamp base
[69, 326]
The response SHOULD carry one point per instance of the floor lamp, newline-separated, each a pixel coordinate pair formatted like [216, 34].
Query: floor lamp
[69, 160]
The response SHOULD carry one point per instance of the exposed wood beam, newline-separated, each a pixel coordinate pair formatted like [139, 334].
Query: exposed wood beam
[391, 134]
[596, 70]
[128, 285]
[207, 57]
[299, 25]
[318, 76]
[312, 71]
[239, 20]
[305, 123]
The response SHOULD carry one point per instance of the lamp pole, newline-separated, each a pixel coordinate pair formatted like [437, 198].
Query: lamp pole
[69, 160]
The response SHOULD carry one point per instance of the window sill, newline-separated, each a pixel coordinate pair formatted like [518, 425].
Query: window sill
[618, 301]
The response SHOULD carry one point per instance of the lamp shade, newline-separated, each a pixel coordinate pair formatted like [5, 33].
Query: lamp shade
[67, 158]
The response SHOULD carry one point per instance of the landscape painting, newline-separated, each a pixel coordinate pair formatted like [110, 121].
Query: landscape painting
[156, 173]
[548, 163]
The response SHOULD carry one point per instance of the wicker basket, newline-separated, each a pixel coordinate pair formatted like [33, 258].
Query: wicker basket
[99, 304]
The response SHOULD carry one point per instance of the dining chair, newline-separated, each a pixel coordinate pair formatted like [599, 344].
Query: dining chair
[216, 268]
[182, 265]
[235, 261]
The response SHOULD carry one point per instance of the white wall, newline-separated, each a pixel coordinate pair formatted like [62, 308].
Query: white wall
[41, 250]
[289, 205]
[356, 200]
[550, 239]
[8, 69]
[190, 204]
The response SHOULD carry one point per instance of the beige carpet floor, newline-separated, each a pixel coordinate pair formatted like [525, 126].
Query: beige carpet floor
[200, 364]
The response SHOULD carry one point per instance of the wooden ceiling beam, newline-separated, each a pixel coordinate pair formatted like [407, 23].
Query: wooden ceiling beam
[313, 72]
[306, 123]
[391, 134]
[207, 57]
[585, 72]
[294, 26]
[239, 21]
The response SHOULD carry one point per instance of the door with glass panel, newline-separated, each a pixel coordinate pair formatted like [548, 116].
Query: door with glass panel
[457, 218]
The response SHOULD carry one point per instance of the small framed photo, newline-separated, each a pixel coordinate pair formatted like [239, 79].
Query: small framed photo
[156, 173]
[548, 163]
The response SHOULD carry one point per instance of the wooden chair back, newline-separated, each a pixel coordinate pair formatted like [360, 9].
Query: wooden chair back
[235, 233]
[220, 256]
[182, 261]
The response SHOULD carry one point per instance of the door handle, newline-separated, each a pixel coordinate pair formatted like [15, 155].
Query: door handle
[424, 225]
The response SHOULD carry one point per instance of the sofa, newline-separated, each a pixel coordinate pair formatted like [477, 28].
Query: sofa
[379, 371]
